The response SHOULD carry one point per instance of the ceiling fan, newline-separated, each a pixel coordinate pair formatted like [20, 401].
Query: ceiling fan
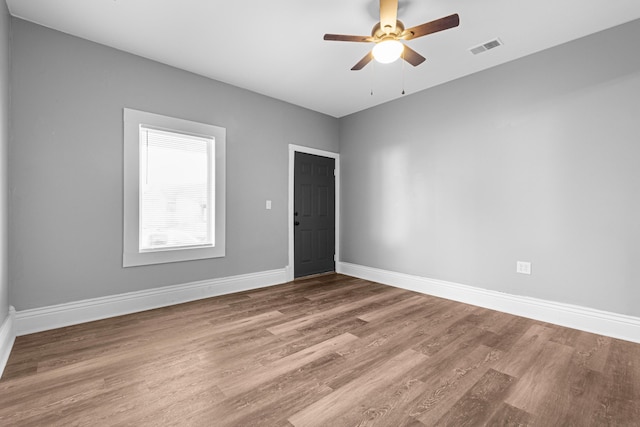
[387, 34]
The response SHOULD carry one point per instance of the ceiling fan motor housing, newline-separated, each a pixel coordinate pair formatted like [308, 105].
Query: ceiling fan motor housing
[379, 33]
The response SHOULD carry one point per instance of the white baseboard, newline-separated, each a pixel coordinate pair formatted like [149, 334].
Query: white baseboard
[7, 337]
[73, 313]
[583, 318]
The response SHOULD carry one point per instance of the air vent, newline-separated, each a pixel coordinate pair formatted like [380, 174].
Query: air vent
[486, 46]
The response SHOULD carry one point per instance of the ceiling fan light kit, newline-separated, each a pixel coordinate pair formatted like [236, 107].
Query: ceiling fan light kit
[387, 34]
[387, 51]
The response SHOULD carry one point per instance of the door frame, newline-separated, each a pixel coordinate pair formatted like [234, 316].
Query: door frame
[293, 148]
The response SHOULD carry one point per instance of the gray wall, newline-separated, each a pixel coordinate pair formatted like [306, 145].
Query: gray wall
[66, 167]
[5, 67]
[536, 160]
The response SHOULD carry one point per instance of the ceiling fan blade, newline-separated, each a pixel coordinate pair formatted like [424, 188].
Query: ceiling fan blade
[348, 38]
[432, 27]
[388, 15]
[412, 57]
[364, 61]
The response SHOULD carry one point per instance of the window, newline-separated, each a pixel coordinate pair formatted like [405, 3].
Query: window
[174, 189]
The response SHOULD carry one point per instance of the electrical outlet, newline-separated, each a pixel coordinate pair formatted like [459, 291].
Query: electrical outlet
[523, 267]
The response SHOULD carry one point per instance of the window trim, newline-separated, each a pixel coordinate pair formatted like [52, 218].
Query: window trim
[131, 254]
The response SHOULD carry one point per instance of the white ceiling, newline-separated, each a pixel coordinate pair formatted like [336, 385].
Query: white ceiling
[275, 47]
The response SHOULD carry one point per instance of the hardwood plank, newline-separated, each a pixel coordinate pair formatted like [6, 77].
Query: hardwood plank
[618, 401]
[270, 403]
[231, 386]
[573, 403]
[385, 312]
[320, 412]
[525, 351]
[390, 340]
[390, 406]
[506, 335]
[576, 386]
[332, 293]
[431, 316]
[593, 350]
[54, 399]
[360, 358]
[306, 321]
[459, 328]
[508, 416]
[542, 378]
[447, 381]
[477, 405]
[395, 405]
[285, 344]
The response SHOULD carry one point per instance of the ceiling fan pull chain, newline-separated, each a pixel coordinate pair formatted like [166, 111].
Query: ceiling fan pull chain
[373, 75]
[403, 61]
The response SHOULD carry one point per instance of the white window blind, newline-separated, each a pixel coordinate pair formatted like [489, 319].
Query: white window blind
[176, 190]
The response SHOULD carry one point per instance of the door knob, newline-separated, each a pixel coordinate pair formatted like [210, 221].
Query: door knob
[296, 223]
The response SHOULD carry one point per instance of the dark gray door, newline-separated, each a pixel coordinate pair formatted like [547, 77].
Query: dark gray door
[314, 214]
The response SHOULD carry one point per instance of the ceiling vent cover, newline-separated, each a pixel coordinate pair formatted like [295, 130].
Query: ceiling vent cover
[486, 46]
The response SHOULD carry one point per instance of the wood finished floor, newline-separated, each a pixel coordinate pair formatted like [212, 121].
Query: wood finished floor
[326, 351]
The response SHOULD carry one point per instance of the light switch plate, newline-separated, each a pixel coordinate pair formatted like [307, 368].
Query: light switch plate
[268, 205]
